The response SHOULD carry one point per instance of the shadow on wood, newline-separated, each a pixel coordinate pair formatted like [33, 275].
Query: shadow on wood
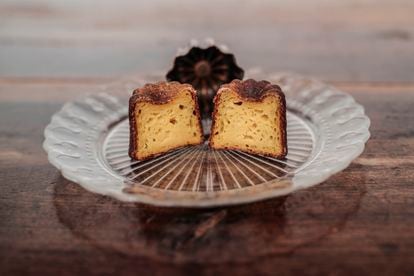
[220, 235]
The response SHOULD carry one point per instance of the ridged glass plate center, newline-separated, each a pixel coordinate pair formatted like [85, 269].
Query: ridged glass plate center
[200, 168]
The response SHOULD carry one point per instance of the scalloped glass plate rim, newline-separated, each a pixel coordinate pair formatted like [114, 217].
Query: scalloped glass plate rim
[301, 92]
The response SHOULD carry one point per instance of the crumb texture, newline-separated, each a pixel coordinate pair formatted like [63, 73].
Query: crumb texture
[252, 126]
[163, 127]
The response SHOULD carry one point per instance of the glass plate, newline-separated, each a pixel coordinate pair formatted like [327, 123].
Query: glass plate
[88, 141]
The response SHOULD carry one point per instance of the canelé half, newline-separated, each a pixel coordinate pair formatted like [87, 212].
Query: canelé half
[250, 116]
[163, 117]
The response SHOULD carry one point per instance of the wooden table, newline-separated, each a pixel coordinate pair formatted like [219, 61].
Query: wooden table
[361, 221]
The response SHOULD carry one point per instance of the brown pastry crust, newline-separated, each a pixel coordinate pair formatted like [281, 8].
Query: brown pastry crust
[206, 69]
[157, 93]
[252, 90]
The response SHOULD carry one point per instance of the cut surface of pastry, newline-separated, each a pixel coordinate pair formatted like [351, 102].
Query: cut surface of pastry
[163, 117]
[250, 116]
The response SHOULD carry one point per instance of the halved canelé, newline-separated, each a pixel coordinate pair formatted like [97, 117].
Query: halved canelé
[163, 117]
[250, 116]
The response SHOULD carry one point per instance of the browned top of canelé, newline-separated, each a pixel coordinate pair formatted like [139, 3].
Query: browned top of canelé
[253, 90]
[159, 93]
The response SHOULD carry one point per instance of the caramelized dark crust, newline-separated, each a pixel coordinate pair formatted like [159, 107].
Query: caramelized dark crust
[158, 93]
[205, 69]
[252, 90]
[161, 92]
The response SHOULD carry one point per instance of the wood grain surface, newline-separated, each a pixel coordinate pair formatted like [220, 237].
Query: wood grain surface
[359, 222]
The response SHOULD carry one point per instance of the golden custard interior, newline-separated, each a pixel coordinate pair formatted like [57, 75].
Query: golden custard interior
[163, 127]
[252, 126]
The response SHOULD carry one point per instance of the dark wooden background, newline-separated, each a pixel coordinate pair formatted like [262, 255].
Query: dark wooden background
[359, 222]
